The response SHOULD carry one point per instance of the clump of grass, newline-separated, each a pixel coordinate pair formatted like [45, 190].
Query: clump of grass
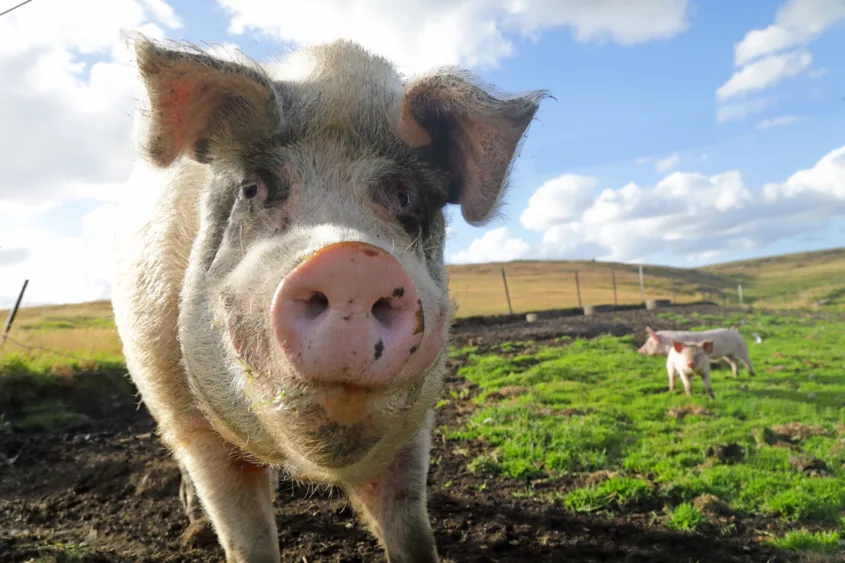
[60, 552]
[614, 493]
[686, 517]
[802, 540]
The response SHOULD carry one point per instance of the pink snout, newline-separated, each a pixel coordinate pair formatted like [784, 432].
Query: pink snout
[348, 314]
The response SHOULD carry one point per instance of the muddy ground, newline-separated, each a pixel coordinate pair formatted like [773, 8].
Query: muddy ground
[110, 485]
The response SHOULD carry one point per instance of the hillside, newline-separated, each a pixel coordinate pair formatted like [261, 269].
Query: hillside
[787, 272]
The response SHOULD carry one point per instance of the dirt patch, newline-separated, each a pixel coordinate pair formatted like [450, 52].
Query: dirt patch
[681, 412]
[113, 486]
[797, 431]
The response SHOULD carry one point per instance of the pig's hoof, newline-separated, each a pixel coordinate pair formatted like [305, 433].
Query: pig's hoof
[199, 533]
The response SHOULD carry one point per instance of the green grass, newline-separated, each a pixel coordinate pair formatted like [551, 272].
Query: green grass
[822, 542]
[615, 493]
[686, 517]
[597, 405]
[38, 394]
[59, 552]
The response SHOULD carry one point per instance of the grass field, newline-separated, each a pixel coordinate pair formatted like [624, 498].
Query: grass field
[596, 414]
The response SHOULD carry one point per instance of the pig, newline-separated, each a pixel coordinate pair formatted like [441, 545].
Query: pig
[283, 303]
[687, 359]
[728, 345]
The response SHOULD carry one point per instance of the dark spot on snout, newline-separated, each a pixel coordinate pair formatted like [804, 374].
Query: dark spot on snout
[398, 292]
[346, 318]
[413, 349]
[379, 349]
[370, 253]
[420, 318]
[350, 301]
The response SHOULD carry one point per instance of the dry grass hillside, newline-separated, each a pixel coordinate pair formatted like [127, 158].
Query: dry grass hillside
[787, 273]
[86, 330]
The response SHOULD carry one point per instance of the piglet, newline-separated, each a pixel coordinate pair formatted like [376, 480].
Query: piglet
[689, 359]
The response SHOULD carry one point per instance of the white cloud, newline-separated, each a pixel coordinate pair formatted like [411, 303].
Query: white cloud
[741, 110]
[687, 215]
[764, 73]
[69, 91]
[494, 246]
[560, 199]
[777, 121]
[418, 34]
[163, 12]
[668, 163]
[766, 57]
[797, 22]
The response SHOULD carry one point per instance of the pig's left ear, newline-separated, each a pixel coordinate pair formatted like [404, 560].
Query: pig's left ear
[198, 101]
[475, 134]
[707, 346]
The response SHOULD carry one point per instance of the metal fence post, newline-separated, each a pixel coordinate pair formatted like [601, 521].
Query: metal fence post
[13, 313]
[507, 293]
[578, 289]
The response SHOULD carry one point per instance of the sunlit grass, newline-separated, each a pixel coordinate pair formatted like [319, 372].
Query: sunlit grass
[596, 405]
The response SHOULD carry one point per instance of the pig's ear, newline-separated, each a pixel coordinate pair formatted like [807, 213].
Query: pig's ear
[651, 333]
[678, 346]
[197, 100]
[707, 346]
[475, 135]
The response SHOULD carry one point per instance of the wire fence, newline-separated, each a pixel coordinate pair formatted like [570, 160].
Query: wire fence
[524, 287]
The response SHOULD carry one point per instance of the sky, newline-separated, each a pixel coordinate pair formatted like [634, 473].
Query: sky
[681, 133]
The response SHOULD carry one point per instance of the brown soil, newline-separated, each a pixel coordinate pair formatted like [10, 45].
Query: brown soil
[111, 485]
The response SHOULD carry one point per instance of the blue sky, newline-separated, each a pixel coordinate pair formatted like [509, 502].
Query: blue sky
[694, 106]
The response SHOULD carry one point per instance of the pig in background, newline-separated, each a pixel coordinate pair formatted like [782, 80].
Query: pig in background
[283, 305]
[688, 359]
[728, 345]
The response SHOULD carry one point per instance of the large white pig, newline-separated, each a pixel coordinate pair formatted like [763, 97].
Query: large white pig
[284, 305]
[728, 345]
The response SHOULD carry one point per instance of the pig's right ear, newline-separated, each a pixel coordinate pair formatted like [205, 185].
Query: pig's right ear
[678, 346]
[197, 100]
[651, 333]
[475, 135]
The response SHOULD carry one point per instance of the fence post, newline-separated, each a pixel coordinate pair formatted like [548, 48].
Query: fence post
[13, 313]
[739, 293]
[578, 289]
[507, 293]
[673, 291]
[615, 300]
[642, 287]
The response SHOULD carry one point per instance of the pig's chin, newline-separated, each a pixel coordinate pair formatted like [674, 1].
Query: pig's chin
[334, 426]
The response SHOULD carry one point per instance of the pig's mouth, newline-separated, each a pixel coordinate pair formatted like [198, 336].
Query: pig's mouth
[334, 426]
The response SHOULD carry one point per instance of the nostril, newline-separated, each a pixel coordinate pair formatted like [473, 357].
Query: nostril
[315, 306]
[384, 312]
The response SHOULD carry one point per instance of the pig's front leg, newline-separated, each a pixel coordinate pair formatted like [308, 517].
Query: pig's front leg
[394, 503]
[671, 370]
[236, 495]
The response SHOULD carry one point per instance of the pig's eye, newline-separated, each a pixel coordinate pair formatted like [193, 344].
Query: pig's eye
[398, 197]
[402, 199]
[254, 188]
